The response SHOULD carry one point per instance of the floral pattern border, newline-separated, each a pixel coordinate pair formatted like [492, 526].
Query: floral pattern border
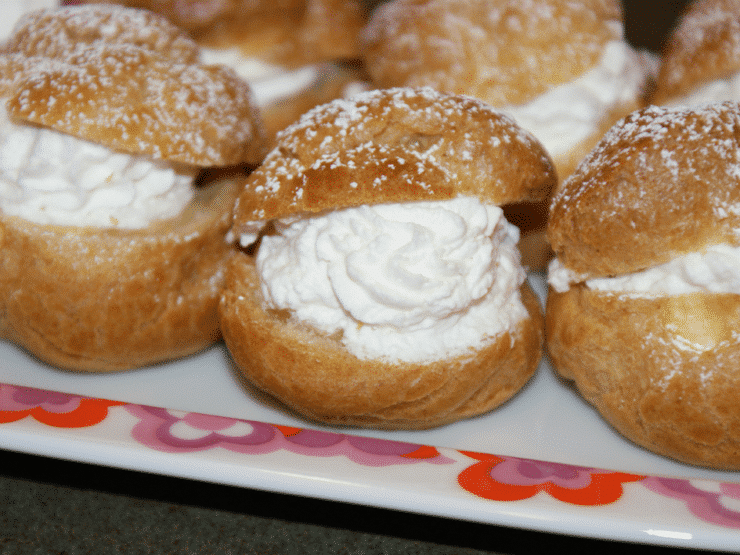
[486, 476]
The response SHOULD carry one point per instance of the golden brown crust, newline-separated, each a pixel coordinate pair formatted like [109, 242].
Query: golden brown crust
[396, 145]
[663, 371]
[284, 32]
[317, 377]
[193, 15]
[503, 52]
[187, 14]
[91, 299]
[58, 33]
[661, 183]
[128, 80]
[567, 163]
[307, 31]
[704, 46]
[386, 146]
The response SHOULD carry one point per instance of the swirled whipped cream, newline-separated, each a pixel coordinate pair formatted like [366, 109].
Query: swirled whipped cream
[269, 82]
[408, 282]
[571, 113]
[713, 270]
[48, 177]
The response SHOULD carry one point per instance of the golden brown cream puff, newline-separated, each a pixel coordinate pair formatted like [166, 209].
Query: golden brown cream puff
[562, 69]
[381, 285]
[644, 305]
[112, 255]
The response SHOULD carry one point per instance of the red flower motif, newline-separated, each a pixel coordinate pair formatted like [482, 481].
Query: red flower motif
[60, 410]
[513, 479]
[423, 452]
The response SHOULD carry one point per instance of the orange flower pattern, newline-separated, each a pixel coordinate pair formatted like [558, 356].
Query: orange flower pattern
[60, 410]
[513, 479]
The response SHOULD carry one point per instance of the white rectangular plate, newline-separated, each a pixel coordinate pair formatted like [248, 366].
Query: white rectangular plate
[544, 461]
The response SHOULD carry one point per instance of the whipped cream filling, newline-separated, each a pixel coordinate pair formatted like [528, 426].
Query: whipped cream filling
[561, 278]
[410, 282]
[571, 113]
[713, 270]
[269, 82]
[48, 177]
[719, 90]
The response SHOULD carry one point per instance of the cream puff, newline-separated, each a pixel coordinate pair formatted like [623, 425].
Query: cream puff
[562, 69]
[700, 62]
[112, 254]
[295, 54]
[380, 285]
[643, 312]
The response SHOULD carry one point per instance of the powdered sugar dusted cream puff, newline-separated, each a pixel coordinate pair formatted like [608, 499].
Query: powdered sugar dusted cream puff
[290, 33]
[562, 69]
[644, 307]
[112, 255]
[700, 62]
[295, 54]
[385, 288]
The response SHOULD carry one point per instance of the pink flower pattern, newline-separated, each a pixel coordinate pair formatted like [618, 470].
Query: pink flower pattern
[717, 503]
[16, 399]
[175, 432]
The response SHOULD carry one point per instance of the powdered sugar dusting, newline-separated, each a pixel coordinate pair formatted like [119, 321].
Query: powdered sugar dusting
[705, 45]
[67, 31]
[506, 52]
[393, 145]
[131, 81]
[662, 182]
[672, 141]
